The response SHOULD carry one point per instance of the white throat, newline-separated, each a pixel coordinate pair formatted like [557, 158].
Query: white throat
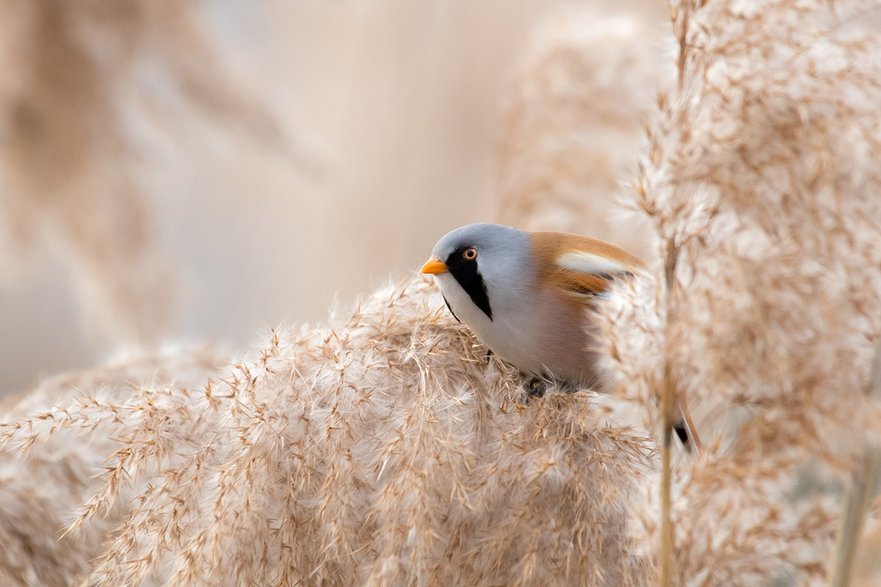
[511, 332]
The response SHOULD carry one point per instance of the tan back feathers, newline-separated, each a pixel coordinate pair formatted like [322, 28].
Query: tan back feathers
[580, 265]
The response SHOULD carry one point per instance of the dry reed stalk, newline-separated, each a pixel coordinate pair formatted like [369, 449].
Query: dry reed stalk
[862, 488]
[71, 176]
[679, 14]
[669, 399]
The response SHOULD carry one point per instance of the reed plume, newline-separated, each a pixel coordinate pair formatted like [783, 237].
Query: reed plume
[761, 175]
[573, 123]
[61, 428]
[385, 449]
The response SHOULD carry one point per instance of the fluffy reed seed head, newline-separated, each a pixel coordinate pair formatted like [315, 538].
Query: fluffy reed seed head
[63, 428]
[573, 123]
[761, 176]
[385, 449]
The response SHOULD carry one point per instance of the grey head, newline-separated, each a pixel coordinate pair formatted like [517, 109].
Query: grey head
[489, 262]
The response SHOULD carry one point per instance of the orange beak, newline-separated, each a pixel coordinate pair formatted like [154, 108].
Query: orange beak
[434, 266]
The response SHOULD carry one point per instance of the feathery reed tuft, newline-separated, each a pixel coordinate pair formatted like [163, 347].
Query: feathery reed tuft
[62, 430]
[761, 176]
[386, 449]
[573, 123]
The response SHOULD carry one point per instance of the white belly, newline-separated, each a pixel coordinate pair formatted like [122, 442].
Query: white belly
[543, 338]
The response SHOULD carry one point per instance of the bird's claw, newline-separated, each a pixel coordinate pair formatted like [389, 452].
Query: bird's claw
[536, 387]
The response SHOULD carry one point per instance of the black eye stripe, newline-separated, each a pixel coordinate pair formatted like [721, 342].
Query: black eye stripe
[465, 272]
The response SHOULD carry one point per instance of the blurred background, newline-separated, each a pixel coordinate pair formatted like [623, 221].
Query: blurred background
[179, 172]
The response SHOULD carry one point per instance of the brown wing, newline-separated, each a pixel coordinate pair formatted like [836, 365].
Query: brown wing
[581, 265]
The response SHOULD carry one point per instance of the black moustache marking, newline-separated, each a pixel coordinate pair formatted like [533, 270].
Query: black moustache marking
[450, 308]
[465, 272]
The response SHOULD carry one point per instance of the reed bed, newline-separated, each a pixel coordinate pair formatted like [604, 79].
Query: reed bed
[388, 448]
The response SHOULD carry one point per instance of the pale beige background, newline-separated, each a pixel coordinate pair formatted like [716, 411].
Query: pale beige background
[396, 105]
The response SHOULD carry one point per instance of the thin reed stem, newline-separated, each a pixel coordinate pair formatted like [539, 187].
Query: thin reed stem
[667, 402]
[666, 522]
[863, 486]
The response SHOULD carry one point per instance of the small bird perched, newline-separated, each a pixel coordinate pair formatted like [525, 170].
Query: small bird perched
[527, 295]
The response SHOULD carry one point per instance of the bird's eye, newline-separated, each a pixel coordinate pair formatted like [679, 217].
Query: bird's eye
[469, 254]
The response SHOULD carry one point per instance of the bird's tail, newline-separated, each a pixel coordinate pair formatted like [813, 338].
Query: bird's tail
[685, 430]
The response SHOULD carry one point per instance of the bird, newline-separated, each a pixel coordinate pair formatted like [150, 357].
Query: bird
[527, 297]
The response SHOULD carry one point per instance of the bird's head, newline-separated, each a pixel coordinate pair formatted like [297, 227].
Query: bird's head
[482, 260]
